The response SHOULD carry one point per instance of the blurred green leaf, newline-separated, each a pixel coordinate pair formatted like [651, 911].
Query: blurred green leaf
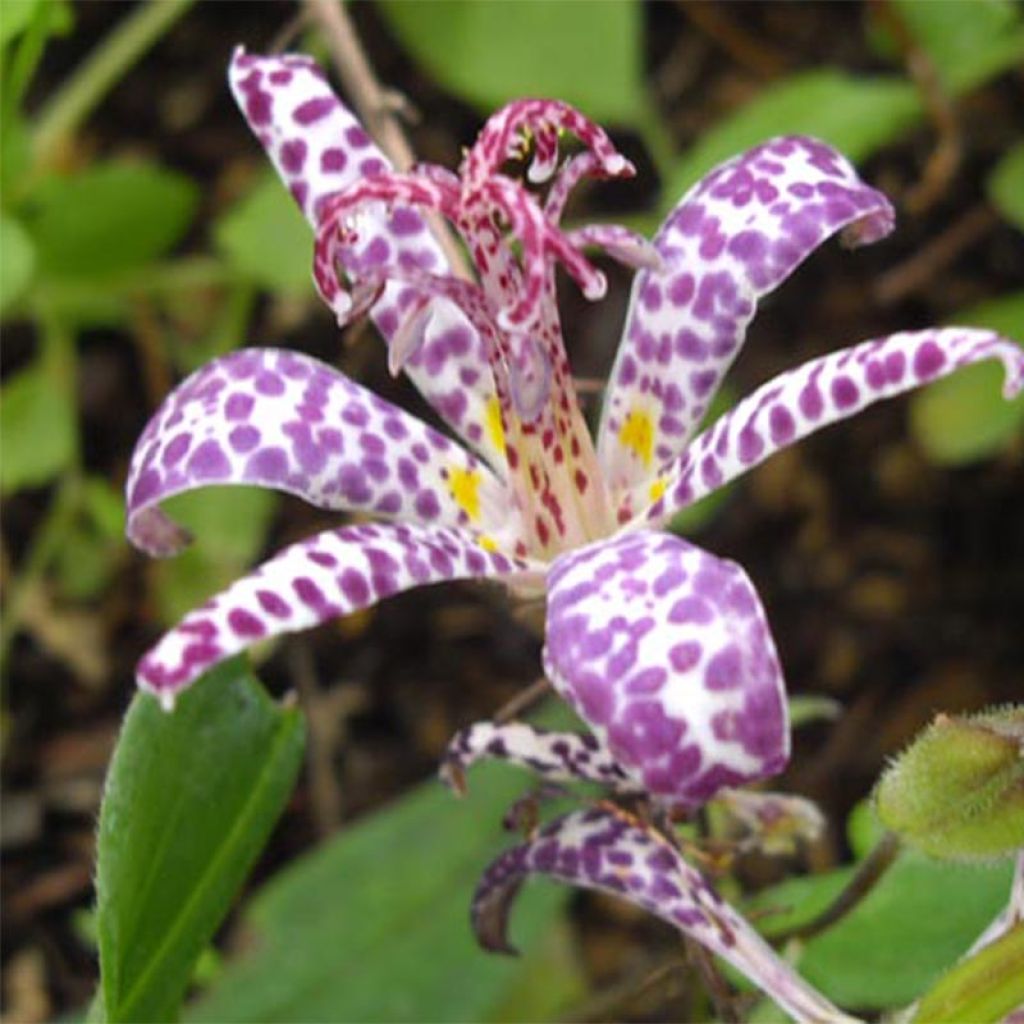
[38, 426]
[983, 989]
[964, 417]
[856, 115]
[15, 16]
[374, 925]
[190, 800]
[967, 40]
[489, 53]
[230, 527]
[266, 238]
[17, 261]
[805, 708]
[917, 921]
[108, 218]
[105, 507]
[1006, 186]
[863, 829]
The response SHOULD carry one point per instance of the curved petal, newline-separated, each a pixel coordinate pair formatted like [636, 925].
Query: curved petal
[610, 851]
[554, 756]
[318, 148]
[331, 574]
[279, 419]
[821, 391]
[665, 651]
[736, 235]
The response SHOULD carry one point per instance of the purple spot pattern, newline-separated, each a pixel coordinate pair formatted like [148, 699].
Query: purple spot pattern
[608, 850]
[298, 115]
[736, 235]
[818, 393]
[330, 574]
[556, 756]
[664, 650]
[274, 418]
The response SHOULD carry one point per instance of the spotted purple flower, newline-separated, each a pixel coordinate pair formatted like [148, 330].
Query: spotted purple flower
[661, 647]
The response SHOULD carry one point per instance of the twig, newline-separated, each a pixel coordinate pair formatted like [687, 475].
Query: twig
[717, 988]
[921, 268]
[867, 876]
[375, 106]
[744, 47]
[944, 161]
[325, 795]
[522, 701]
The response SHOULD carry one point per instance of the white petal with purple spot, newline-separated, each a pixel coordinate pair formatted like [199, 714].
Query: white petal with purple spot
[273, 418]
[664, 650]
[331, 574]
[741, 231]
[816, 394]
[608, 850]
[318, 148]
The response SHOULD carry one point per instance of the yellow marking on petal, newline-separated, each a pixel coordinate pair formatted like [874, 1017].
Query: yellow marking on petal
[495, 430]
[487, 542]
[657, 489]
[637, 434]
[464, 485]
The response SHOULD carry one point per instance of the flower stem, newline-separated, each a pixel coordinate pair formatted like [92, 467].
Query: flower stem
[100, 71]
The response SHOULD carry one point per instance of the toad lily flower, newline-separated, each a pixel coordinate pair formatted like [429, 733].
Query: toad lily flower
[662, 648]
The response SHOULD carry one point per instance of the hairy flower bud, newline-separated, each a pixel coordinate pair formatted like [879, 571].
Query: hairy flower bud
[957, 793]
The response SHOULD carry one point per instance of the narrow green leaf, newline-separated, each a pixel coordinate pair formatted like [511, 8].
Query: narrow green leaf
[983, 989]
[1006, 186]
[15, 16]
[374, 926]
[964, 417]
[967, 40]
[230, 527]
[589, 54]
[920, 918]
[111, 217]
[856, 115]
[37, 425]
[190, 799]
[266, 238]
[17, 261]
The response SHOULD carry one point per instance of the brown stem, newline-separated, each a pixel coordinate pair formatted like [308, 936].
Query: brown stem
[523, 700]
[745, 48]
[867, 876]
[944, 160]
[375, 106]
[921, 268]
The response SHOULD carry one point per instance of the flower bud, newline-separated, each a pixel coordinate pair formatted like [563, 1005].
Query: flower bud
[957, 793]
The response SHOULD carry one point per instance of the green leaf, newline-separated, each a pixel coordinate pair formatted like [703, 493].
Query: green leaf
[1006, 186]
[983, 989]
[374, 926]
[110, 217]
[37, 425]
[856, 115]
[917, 921]
[230, 526]
[964, 417]
[489, 53]
[15, 16]
[190, 799]
[266, 238]
[968, 41]
[17, 261]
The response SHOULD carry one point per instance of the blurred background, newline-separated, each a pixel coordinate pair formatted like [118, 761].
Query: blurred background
[143, 233]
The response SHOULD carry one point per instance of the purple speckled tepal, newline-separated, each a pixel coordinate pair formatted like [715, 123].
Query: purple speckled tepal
[604, 848]
[666, 653]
